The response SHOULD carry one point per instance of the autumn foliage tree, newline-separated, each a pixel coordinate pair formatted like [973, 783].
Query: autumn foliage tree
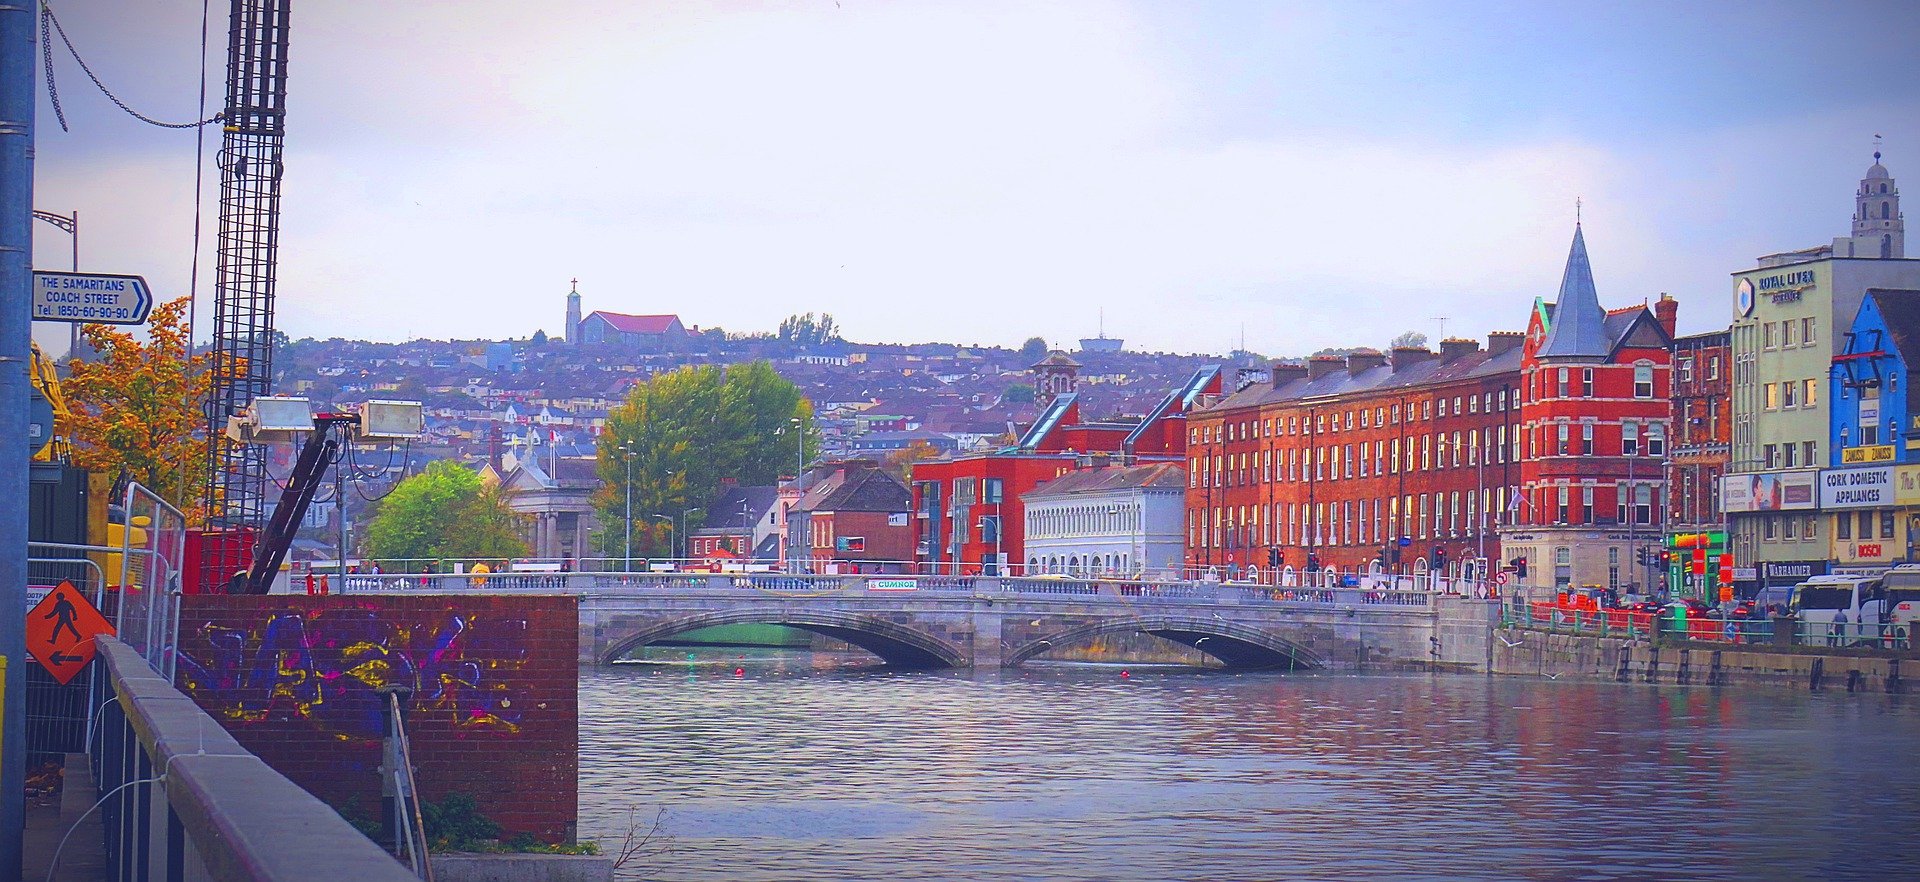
[138, 407]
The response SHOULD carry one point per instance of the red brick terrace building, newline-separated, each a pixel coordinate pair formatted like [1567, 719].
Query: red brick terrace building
[1422, 455]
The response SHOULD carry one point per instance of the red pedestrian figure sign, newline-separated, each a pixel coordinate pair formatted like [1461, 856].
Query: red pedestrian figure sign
[60, 632]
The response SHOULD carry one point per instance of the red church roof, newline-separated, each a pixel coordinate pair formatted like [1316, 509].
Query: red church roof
[637, 324]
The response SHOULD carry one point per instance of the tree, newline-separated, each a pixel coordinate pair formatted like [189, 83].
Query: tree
[901, 461]
[539, 338]
[138, 406]
[444, 512]
[685, 431]
[1034, 349]
[1410, 338]
[805, 330]
[1018, 393]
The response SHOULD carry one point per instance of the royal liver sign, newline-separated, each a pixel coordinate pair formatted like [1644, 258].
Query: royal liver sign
[90, 297]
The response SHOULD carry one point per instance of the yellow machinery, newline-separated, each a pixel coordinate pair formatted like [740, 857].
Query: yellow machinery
[47, 384]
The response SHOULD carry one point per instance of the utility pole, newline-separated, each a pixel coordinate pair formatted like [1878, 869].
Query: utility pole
[17, 30]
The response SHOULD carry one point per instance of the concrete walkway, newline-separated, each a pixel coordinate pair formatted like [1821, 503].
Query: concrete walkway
[84, 859]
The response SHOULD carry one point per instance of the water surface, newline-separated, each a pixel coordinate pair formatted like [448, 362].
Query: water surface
[797, 769]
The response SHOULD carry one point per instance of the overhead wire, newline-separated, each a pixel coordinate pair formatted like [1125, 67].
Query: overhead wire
[50, 25]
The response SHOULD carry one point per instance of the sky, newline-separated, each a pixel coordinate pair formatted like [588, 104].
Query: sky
[1294, 175]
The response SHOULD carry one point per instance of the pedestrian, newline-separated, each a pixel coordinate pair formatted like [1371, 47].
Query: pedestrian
[1837, 635]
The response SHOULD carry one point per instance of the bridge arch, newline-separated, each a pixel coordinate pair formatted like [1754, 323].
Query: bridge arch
[896, 644]
[1236, 646]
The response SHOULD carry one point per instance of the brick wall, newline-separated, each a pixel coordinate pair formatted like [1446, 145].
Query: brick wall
[495, 715]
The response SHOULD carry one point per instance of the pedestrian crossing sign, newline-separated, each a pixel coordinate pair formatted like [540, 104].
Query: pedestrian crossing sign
[61, 631]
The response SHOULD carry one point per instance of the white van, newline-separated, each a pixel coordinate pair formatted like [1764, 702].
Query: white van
[1820, 600]
[1903, 596]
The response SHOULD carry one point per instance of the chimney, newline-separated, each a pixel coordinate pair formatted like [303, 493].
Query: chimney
[1502, 341]
[1284, 373]
[1667, 310]
[1407, 356]
[1364, 360]
[1322, 365]
[1454, 347]
[729, 482]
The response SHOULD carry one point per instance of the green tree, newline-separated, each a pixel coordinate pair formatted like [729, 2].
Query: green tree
[1018, 393]
[686, 430]
[1034, 349]
[806, 330]
[539, 338]
[446, 511]
[1410, 338]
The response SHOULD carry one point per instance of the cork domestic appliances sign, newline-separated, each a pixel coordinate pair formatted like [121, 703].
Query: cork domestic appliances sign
[1857, 488]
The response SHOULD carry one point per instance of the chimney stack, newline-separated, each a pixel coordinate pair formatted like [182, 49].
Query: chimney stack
[1454, 347]
[1362, 361]
[1407, 356]
[1667, 310]
[1284, 373]
[1502, 341]
[1322, 365]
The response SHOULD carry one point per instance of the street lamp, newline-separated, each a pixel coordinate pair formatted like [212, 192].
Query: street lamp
[670, 530]
[626, 453]
[685, 550]
[71, 226]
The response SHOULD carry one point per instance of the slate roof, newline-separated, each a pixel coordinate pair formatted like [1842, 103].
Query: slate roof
[1170, 475]
[637, 324]
[727, 508]
[1579, 327]
[856, 487]
[1478, 363]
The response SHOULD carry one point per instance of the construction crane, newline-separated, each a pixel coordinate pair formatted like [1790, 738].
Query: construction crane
[244, 271]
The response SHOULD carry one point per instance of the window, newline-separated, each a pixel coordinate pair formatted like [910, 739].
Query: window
[1443, 407]
[1586, 439]
[1426, 409]
[1586, 503]
[1561, 431]
[1806, 331]
[1349, 459]
[1563, 382]
[1643, 381]
[1772, 396]
[992, 491]
[1613, 568]
[1629, 439]
[1586, 382]
[1656, 439]
[1643, 504]
[1843, 526]
[1792, 455]
[1806, 452]
[1866, 524]
[1790, 528]
[1788, 333]
[1685, 367]
[1770, 529]
[1886, 523]
[1771, 455]
[1789, 394]
[1713, 363]
[1807, 393]
[1766, 335]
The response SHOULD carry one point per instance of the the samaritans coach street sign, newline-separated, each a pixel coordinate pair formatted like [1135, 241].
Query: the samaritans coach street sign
[90, 297]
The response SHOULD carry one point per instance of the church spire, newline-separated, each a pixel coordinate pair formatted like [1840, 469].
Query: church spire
[1879, 229]
[1579, 329]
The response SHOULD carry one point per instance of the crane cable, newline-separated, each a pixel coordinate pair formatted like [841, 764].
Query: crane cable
[49, 25]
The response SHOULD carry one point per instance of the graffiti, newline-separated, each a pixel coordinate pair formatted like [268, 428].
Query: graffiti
[325, 664]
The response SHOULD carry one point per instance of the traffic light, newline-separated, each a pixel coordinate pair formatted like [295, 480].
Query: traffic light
[1313, 562]
[1273, 558]
[1519, 565]
[1640, 556]
[1439, 558]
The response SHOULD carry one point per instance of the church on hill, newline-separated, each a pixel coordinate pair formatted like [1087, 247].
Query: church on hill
[638, 333]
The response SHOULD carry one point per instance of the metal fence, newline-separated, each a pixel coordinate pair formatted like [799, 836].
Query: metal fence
[147, 607]
[180, 799]
[1383, 593]
[1855, 635]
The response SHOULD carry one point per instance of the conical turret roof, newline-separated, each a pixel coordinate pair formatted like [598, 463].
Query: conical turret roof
[1579, 329]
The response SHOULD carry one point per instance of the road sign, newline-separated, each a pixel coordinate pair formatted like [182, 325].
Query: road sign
[90, 297]
[60, 631]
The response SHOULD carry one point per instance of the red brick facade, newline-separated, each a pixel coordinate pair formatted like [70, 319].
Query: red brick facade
[1340, 458]
[1702, 430]
[495, 714]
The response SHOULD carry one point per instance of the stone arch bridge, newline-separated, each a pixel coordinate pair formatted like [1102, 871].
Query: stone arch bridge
[945, 621]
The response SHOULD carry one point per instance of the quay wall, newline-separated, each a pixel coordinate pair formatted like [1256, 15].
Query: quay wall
[1539, 653]
[495, 711]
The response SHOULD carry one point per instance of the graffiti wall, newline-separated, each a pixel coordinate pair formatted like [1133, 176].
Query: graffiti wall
[494, 712]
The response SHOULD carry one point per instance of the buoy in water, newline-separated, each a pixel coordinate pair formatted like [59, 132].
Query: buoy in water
[739, 672]
[1124, 675]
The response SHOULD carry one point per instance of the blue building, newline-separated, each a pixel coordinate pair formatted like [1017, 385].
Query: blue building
[1871, 492]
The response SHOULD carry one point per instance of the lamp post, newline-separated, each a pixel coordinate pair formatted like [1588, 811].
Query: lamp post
[626, 453]
[69, 224]
[670, 531]
[685, 551]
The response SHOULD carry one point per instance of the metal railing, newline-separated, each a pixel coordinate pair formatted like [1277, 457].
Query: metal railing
[1382, 593]
[1856, 635]
[181, 799]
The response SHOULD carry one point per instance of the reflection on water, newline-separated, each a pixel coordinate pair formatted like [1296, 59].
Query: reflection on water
[809, 766]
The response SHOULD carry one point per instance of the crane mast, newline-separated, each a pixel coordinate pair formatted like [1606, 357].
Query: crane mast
[244, 269]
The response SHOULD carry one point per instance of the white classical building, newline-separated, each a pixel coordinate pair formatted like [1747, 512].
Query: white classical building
[1108, 520]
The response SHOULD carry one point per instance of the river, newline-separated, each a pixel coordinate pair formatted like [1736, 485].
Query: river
[796, 767]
